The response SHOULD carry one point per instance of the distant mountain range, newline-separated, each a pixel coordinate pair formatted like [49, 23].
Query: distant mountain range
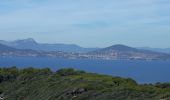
[163, 50]
[6, 51]
[32, 44]
[24, 49]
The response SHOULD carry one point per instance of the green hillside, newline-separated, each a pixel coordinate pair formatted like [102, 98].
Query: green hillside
[68, 84]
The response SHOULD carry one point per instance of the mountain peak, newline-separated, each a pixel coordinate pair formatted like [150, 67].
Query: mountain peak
[30, 39]
[120, 47]
[27, 41]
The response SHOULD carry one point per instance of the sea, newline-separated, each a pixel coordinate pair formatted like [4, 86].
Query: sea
[141, 71]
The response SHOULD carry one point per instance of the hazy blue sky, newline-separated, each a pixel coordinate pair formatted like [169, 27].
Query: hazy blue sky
[88, 23]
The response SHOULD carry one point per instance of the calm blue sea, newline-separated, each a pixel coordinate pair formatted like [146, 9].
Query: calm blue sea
[141, 71]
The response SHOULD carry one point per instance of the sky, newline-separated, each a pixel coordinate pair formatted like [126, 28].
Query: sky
[88, 23]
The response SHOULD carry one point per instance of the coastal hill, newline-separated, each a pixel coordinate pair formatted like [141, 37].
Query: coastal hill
[6, 48]
[69, 84]
[125, 52]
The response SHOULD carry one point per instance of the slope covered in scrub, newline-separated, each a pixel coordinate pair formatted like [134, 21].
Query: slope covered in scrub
[69, 84]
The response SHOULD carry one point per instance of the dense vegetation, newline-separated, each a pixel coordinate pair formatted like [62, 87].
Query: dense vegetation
[69, 84]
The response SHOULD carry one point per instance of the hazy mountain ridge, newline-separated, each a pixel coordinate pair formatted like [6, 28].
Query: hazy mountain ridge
[163, 50]
[110, 53]
[32, 44]
[6, 51]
